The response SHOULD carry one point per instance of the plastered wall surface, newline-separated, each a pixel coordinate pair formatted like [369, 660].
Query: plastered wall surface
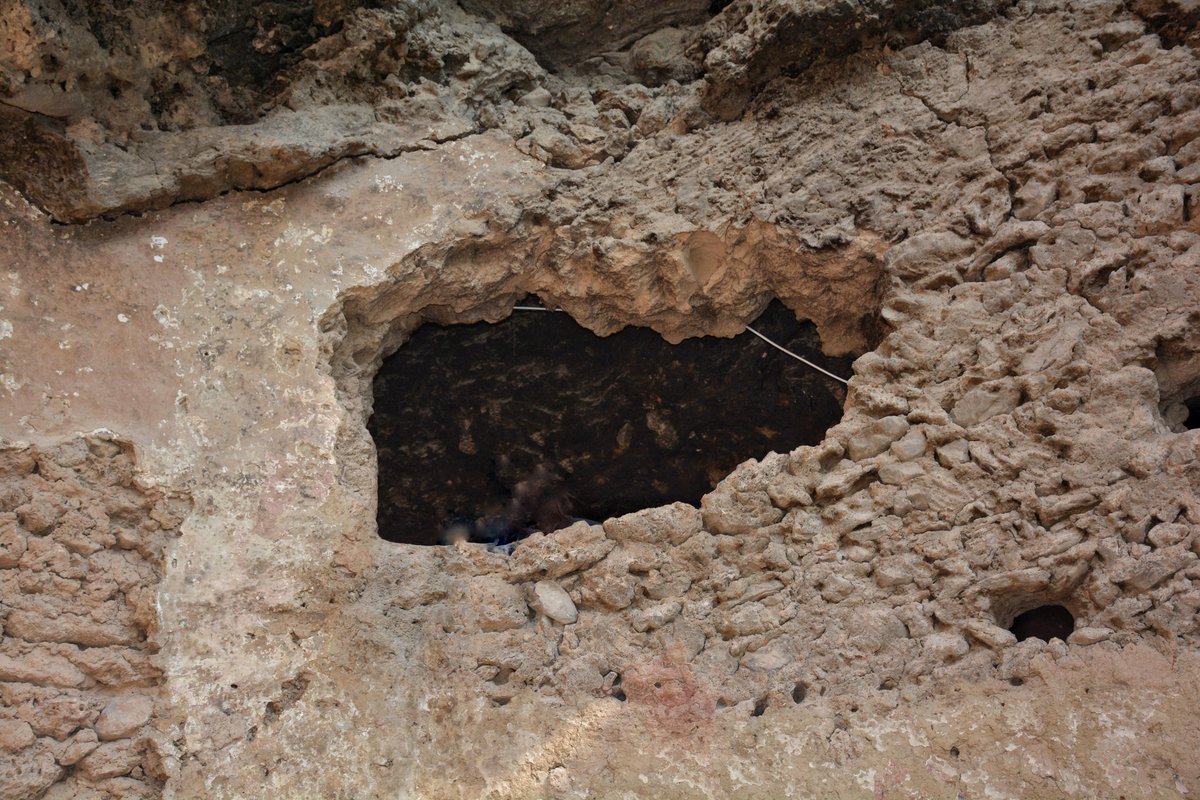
[999, 221]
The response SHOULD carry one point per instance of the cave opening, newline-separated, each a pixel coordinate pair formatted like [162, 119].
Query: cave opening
[1044, 622]
[487, 432]
[1192, 421]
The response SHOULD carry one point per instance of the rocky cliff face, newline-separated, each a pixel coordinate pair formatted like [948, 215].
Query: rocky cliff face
[224, 216]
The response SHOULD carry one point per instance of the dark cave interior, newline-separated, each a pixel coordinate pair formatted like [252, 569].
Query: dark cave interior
[491, 431]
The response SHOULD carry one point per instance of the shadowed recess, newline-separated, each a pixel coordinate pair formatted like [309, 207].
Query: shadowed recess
[1192, 420]
[494, 431]
[1045, 623]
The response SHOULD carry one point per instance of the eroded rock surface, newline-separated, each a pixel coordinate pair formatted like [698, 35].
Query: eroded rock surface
[1007, 209]
[82, 546]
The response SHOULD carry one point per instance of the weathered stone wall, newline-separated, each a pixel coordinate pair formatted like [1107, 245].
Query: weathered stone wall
[1000, 221]
[82, 549]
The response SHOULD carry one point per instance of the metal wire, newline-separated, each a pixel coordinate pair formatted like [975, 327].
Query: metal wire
[778, 347]
[801, 359]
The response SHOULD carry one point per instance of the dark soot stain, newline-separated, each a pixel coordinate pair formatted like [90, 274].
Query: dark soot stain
[464, 413]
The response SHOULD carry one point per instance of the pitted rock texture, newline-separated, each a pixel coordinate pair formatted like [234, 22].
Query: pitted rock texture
[81, 554]
[107, 108]
[1015, 202]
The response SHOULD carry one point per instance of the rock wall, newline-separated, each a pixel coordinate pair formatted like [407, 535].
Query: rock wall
[83, 549]
[992, 209]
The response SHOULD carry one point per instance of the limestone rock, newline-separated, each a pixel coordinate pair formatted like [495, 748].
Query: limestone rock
[671, 524]
[656, 616]
[15, 735]
[110, 760]
[549, 598]
[123, 716]
[561, 553]
[82, 743]
[494, 604]
[39, 666]
[900, 474]
[982, 403]
[911, 445]
[730, 511]
[876, 437]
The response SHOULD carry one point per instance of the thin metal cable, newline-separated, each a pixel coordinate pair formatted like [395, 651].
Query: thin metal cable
[778, 347]
[801, 359]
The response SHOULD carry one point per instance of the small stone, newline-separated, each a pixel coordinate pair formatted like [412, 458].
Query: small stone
[891, 572]
[1157, 567]
[123, 716]
[983, 403]
[672, 524]
[988, 634]
[41, 667]
[788, 491]
[730, 511]
[877, 437]
[767, 660]
[109, 760]
[12, 541]
[909, 446]
[653, 618]
[900, 474]
[552, 600]
[82, 743]
[1089, 635]
[1031, 579]
[841, 480]
[946, 646]
[955, 452]
[15, 735]
[538, 98]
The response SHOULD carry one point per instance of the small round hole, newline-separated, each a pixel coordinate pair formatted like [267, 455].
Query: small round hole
[1192, 420]
[799, 692]
[1044, 622]
[1017, 681]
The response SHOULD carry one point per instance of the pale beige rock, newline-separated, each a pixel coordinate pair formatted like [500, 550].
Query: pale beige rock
[41, 667]
[568, 550]
[876, 437]
[110, 760]
[991, 635]
[1089, 635]
[727, 510]
[123, 716]
[15, 735]
[900, 474]
[911, 445]
[493, 604]
[552, 600]
[666, 524]
[78, 747]
[955, 452]
[983, 403]
[655, 616]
